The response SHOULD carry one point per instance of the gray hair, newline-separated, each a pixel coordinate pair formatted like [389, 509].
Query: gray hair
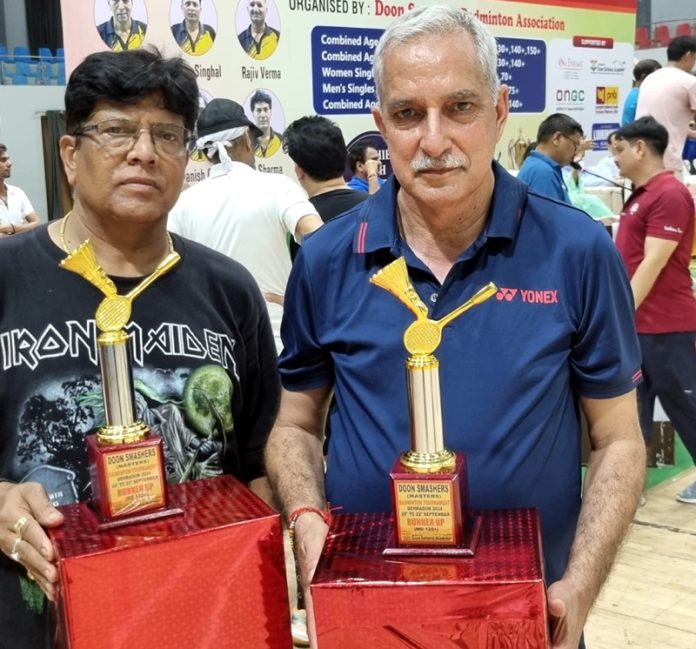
[439, 20]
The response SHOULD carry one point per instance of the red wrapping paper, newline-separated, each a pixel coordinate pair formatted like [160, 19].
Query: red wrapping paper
[494, 600]
[213, 577]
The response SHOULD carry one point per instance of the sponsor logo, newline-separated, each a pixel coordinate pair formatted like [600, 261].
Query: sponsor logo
[505, 294]
[570, 99]
[570, 96]
[603, 67]
[672, 228]
[607, 96]
[569, 63]
[528, 296]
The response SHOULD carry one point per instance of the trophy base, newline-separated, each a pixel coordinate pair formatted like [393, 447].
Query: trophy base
[128, 481]
[429, 508]
[467, 547]
[99, 524]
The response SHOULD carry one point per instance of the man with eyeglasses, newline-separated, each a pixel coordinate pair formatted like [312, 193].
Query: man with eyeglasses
[122, 32]
[204, 361]
[558, 140]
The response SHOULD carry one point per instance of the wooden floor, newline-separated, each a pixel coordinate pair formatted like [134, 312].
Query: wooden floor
[649, 601]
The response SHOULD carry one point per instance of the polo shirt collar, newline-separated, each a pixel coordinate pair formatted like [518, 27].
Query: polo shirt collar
[655, 181]
[377, 227]
[544, 158]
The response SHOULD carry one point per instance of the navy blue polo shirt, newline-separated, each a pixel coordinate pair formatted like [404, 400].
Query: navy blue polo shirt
[544, 176]
[560, 325]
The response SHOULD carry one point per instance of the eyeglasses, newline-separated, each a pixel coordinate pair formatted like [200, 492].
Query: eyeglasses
[120, 135]
[576, 143]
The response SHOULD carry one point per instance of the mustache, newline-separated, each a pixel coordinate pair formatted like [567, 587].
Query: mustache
[446, 161]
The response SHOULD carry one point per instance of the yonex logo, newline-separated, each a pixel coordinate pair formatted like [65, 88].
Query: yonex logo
[527, 295]
[506, 294]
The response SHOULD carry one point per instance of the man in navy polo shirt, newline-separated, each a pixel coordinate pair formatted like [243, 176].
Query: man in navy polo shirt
[513, 371]
[558, 141]
[655, 238]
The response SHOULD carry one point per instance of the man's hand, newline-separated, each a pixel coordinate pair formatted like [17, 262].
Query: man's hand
[567, 614]
[34, 551]
[372, 167]
[309, 539]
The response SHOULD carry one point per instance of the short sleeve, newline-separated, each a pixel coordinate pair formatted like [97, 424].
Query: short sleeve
[304, 364]
[605, 356]
[670, 216]
[292, 204]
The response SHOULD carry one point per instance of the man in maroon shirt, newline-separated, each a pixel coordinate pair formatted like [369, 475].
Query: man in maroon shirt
[655, 236]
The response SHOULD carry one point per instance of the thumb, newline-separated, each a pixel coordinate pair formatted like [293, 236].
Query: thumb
[40, 506]
[557, 607]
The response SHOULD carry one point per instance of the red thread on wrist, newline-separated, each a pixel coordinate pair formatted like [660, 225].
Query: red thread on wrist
[292, 519]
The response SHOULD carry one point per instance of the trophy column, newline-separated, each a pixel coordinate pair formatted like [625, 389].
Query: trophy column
[429, 482]
[126, 461]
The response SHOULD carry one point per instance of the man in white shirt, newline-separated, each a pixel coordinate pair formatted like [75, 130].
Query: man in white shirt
[669, 95]
[242, 212]
[16, 212]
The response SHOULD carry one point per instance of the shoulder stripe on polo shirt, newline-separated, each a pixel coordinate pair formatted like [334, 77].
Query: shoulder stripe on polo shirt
[362, 233]
[637, 376]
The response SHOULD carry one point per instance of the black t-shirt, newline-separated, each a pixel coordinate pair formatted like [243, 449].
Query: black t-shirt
[204, 373]
[331, 204]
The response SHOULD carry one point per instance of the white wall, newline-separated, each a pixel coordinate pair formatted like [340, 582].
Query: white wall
[21, 108]
[657, 53]
[674, 10]
[15, 23]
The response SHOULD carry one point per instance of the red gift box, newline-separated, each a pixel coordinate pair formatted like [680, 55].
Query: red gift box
[212, 577]
[494, 599]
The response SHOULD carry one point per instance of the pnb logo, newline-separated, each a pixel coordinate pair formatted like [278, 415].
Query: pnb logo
[607, 96]
[528, 296]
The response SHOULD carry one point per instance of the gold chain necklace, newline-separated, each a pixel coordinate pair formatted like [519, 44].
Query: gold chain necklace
[64, 245]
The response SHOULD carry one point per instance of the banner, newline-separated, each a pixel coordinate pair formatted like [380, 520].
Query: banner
[315, 56]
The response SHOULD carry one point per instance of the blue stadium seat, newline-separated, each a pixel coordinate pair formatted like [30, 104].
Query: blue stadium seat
[60, 56]
[21, 53]
[45, 54]
[9, 69]
[3, 54]
[28, 69]
[20, 80]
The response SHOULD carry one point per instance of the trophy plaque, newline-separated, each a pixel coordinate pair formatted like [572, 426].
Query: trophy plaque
[126, 461]
[429, 482]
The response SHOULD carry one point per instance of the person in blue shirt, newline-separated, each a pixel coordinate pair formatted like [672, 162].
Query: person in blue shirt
[363, 160]
[558, 141]
[641, 70]
[515, 372]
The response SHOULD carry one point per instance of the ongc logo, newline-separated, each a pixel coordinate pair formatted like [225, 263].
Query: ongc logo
[567, 96]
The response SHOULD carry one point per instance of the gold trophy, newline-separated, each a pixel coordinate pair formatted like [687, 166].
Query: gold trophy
[429, 483]
[126, 461]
